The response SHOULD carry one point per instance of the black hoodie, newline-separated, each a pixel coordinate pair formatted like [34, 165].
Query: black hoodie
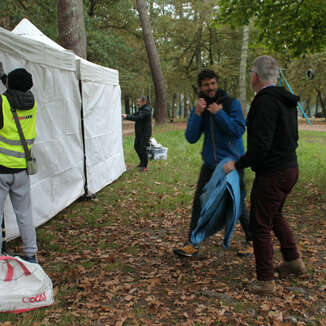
[272, 131]
[21, 101]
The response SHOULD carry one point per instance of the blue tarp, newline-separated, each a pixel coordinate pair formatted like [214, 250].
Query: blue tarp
[220, 202]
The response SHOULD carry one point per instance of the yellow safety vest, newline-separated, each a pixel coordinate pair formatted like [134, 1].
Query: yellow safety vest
[12, 153]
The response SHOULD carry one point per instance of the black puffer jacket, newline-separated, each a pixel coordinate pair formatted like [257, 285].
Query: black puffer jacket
[272, 131]
[143, 121]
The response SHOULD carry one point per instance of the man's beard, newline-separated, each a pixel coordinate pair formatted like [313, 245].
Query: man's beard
[213, 94]
[209, 99]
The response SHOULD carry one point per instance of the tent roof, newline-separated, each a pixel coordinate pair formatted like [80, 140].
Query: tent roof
[35, 51]
[88, 71]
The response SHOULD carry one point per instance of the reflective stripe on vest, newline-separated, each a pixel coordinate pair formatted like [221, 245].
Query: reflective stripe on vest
[12, 154]
[16, 142]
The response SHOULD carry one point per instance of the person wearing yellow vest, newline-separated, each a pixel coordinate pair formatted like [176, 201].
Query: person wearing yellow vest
[14, 179]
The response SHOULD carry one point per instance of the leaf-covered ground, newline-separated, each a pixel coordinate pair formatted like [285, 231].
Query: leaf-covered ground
[111, 258]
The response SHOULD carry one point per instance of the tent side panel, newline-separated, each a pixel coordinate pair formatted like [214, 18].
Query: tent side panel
[103, 134]
[60, 179]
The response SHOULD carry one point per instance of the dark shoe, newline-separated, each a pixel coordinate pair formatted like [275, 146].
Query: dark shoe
[143, 168]
[296, 267]
[246, 250]
[187, 250]
[30, 259]
[262, 287]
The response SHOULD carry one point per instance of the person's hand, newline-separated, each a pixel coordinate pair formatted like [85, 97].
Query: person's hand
[124, 116]
[200, 106]
[229, 166]
[213, 108]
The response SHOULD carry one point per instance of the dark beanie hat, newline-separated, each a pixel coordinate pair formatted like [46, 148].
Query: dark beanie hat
[20, 80]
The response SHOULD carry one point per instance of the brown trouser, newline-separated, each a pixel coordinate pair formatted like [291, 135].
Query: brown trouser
[268, 195]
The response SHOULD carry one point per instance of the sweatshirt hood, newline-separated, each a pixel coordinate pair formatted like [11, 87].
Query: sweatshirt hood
[20, 100]
[282, 95]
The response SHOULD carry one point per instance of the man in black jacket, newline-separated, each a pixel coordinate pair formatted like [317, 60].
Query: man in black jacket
[272, 131]
[143, 130]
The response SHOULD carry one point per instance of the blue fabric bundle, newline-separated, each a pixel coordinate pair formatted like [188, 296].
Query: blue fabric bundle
[220, 202]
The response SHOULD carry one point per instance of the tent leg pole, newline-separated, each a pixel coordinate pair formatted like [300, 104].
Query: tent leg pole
[4, 239]
[86, 195]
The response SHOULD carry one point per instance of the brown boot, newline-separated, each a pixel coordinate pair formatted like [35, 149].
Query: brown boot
[296, 267]
[263, 287]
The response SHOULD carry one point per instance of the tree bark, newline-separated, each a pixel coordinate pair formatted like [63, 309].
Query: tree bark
[154, 62]
[243, 69]
[71, 23]
[174, 106]
[185, 107]
[127, 104]
[5, 22]
[307, 109]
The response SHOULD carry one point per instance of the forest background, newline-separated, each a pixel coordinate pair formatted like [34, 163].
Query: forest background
[192, 35]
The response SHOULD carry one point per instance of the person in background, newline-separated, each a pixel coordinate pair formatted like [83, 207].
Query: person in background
[272, 131]
[143, 130]
[14, 179]
[221, 119]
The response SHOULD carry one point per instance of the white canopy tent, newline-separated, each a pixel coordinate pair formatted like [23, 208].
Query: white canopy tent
[75, 129]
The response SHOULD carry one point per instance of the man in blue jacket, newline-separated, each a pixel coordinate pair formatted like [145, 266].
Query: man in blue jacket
[221, 119]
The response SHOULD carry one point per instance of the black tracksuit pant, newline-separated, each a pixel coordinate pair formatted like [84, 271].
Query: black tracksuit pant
[141, 143]
[205, 174]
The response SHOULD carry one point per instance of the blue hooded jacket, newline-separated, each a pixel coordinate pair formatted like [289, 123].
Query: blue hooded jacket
[220, 202]
[228, 128]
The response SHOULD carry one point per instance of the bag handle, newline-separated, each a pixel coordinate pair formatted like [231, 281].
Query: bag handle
[10, 272]
[10, 269]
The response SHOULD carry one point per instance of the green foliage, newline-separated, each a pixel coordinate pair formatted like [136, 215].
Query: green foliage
[42, 13]
[291, 27]
[192, 35]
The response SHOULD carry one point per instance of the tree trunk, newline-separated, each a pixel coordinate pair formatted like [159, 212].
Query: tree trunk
[174, 106]
[127, 105]
[185, 107]
[211, 59]
[154, 62]
[71, 23]
[317, 104]
[307, 110]
[91, 8]
[5, 22]
[243, 69]
[322, 103]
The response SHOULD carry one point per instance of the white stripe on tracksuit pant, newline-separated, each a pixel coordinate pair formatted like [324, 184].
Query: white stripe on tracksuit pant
[18, 187]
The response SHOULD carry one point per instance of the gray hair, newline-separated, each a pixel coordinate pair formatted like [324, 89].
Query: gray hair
[266, 68]
[143, 98]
